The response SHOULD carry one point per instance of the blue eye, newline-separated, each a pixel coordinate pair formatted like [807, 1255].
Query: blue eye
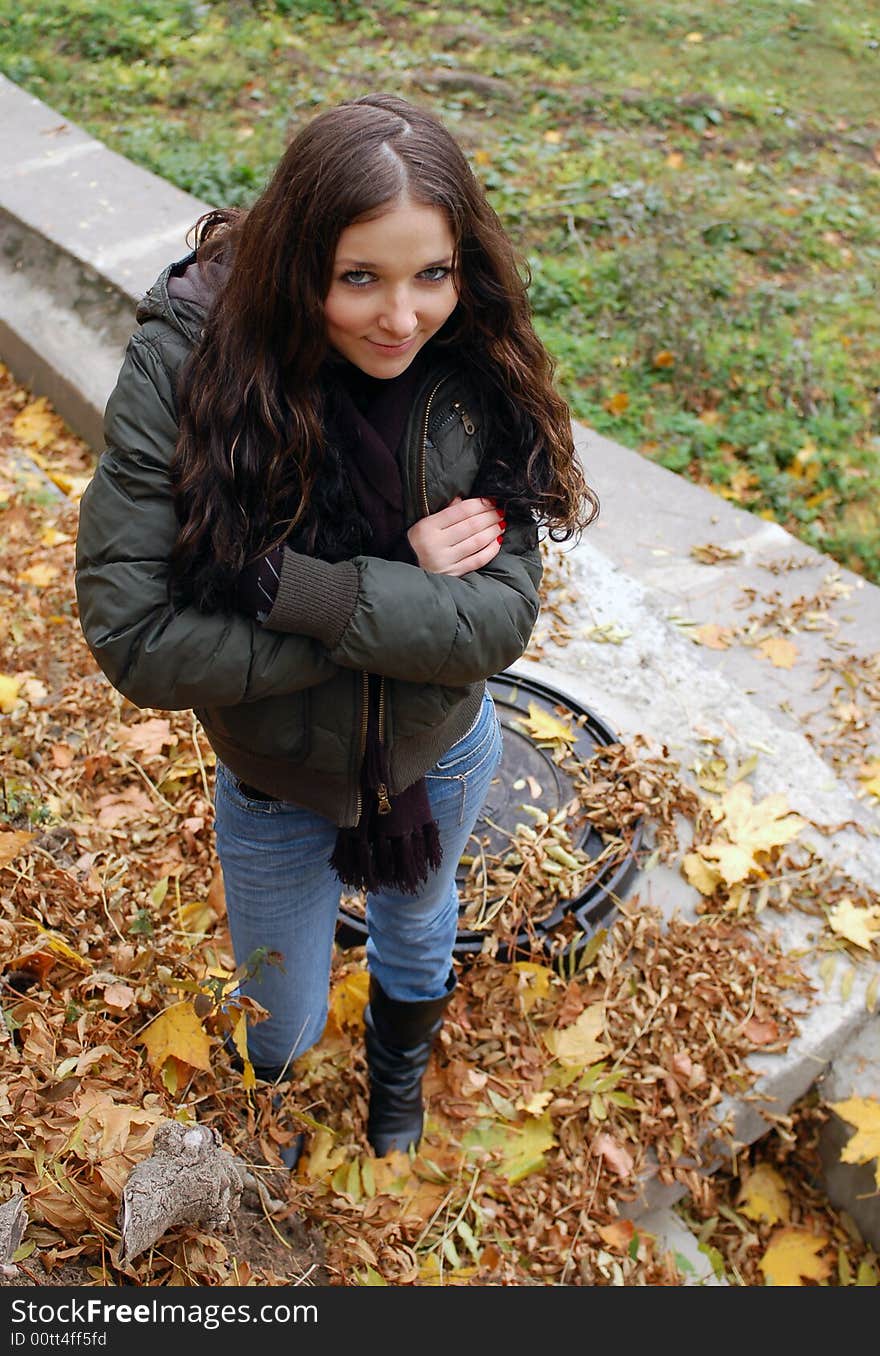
[439, 273]
[357, 277]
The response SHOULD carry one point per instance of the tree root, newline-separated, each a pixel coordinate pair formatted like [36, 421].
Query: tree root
[188, 1179]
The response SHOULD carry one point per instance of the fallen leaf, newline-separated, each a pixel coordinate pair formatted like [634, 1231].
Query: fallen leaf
[535, 1105]
[131, 804]
[348, 1000]
[858, 925]
[781, 652]
[747, 835]
[239, 1038]
[864, 1146]
[665, 358]
[763, 1196]
[618, 1235]
[761, 1032]
[616, 1156]
[12, 843]
[544, 727]
[9, 687]
[177, 1032]
[709, 553]
[793, 1256]
[37, 425]
[526, 1147]
[713, 636]
[119, 996]
[617, 403]
[577, 1046]
[147, 736]
[39, 575]
[532, 982]
[870, 777]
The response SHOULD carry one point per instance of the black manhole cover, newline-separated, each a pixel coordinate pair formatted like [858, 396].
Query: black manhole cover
[524, 763]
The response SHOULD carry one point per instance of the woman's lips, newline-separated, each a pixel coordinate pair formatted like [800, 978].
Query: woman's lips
[392, 348]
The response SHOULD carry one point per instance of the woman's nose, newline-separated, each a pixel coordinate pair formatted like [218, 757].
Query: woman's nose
[398, 317]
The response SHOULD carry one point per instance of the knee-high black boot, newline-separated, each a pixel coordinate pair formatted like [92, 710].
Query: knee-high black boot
[399, 1038]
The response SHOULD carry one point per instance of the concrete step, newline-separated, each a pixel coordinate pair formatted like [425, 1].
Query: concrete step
[84, 233]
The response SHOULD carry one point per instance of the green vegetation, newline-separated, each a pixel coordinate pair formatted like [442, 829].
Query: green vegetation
[696, 187]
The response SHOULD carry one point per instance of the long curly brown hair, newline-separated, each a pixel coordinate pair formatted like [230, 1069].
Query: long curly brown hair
[252, 450]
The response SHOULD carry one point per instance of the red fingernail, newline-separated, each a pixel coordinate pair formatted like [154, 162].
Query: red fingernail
[499, 539]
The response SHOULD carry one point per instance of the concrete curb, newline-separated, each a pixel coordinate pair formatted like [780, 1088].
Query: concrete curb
[84, 233]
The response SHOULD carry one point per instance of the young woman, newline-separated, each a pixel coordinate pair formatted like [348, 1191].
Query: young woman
[330, 448]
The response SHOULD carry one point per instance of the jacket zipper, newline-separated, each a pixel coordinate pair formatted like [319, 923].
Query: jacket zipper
[424, 448]
[365, 699]
[382, 789]
[467, 421]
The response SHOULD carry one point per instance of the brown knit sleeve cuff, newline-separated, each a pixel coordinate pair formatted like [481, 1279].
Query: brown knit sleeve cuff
[314, 598]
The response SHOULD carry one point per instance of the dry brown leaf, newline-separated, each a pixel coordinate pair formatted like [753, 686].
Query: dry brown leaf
[13, 842]
[618, 1158]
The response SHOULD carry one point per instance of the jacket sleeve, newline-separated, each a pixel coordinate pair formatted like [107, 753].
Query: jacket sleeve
[405, 622]
[155, 653]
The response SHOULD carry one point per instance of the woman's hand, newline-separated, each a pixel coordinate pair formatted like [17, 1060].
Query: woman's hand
[464, 536]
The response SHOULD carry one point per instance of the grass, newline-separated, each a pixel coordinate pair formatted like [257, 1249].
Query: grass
[696, 188]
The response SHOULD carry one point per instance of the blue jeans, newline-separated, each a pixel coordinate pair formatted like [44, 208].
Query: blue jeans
[282, 894]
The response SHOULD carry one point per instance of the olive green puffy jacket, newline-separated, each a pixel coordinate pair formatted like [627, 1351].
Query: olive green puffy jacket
[283, 704]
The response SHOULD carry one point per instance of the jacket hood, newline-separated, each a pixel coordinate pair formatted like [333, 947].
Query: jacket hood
[183, 294]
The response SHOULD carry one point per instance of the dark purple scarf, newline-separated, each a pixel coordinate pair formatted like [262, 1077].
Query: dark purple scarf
[396, 840]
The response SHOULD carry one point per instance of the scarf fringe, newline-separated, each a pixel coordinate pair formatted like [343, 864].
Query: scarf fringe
[399, 863]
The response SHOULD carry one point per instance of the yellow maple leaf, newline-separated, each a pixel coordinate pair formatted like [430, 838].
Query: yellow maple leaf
[532, 982]
[763, 1196]
[349, 998]
[617, 403]
[177, 1032]
[8, 692]
[748, 832]
[781, 652]
[858, 925]
[73, 486]
[37, 424]
[39, 575]
[793, 1256]
[52, 537]
[701, 874]
[577, 1046]
[12, 843]
[864, 1146]
[536, 1104]
[546, 728]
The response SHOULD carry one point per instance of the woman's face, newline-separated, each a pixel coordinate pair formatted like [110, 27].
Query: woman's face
[392, 287]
